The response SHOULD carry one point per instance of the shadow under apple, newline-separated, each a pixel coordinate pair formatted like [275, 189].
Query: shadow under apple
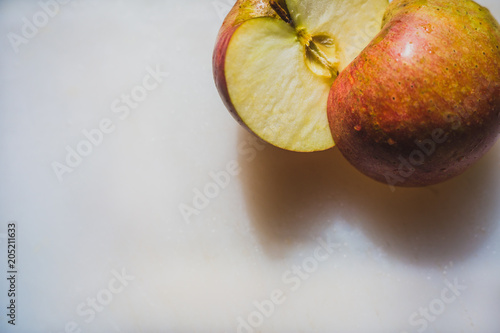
[293, 197]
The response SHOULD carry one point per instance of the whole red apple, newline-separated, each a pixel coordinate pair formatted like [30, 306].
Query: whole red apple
[421, 102]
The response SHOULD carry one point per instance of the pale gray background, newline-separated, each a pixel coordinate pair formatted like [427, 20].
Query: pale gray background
[119, 210]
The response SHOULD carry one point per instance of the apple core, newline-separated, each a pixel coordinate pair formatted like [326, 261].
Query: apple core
[319, 51]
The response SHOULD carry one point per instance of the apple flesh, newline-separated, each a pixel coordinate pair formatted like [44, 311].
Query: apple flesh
[275, 61]
[421, 103]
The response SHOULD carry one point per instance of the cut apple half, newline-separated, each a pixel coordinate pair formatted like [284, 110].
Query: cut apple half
[278, 69]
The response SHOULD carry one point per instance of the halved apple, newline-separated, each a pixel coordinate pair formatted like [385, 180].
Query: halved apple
[275, 61]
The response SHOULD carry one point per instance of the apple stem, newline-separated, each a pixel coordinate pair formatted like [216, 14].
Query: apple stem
[281, 9]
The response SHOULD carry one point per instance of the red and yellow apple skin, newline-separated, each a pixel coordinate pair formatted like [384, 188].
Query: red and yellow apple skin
[243, 10]
[421, 103]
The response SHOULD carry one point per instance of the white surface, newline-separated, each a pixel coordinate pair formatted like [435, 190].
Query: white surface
[119, 209]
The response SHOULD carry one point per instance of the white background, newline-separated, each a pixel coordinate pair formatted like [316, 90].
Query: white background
[118, 211]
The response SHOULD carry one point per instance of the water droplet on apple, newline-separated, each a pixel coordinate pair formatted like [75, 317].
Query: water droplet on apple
[358, 128]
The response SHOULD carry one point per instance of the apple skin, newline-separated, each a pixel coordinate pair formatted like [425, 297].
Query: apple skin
[242, 11]
[421, 103]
